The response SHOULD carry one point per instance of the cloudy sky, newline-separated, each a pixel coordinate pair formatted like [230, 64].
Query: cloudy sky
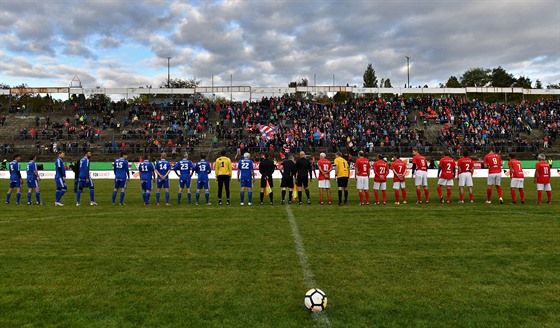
[272, 42]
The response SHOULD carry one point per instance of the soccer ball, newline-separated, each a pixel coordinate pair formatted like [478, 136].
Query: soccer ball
[315, 300]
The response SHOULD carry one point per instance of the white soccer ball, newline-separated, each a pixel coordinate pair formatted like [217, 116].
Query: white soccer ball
[315, 300]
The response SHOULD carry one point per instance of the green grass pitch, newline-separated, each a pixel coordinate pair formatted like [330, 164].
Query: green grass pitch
[430, 265]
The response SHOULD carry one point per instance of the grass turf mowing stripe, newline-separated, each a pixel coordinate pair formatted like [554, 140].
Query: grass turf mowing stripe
[309, 278]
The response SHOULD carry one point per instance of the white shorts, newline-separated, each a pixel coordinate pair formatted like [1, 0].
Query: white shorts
[465, 179]
[379, 185]
[399, 185]
[362, 183]
[421, 178]
[445, 182]
[325, 184]
[545, 187]
[517, 183]
[494, 179]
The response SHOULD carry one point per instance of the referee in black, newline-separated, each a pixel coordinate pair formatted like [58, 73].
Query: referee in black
[288, 169]
[303, 168]
[266, 168]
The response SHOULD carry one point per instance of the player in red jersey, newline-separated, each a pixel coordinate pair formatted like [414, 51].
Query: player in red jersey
[493, 162]
[362, 177]
[517, 177]
[399, 170]
[542, 179]
[380, 171]
[465, 171]
[446, 174]
[325, 168]
[420, 173]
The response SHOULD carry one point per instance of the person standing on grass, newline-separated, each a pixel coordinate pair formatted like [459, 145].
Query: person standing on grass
[288, 170]
[85, 181]
[446, 175]
[420, 173]
[266, 168]
[517, 177]
[542, 179]
[246, 177]
[184, 170]
[362, 177]
[122, 176]
[399, 171]
[147, 174]
[60, 178]
[223, 175]
[33, 179]
[380, 171]
[325, 168]
[342, 174]
[465, 169]
[163, 169]
[303, 169]
[203, 169]
[15, 180]
[493, 162]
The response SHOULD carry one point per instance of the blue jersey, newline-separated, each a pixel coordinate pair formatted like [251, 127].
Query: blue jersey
[202, 169]
[146, 169]
[60, 168]
[185, 168]
[120, 167]
[162, 167]
[31, 168]
[14, 171]
[84, 169]
[245, 167]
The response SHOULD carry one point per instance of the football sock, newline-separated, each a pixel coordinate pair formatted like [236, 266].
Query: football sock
[57, 196]
[262, 196]
[158, 194]
[179, 195]
[489, 194]
[419, 194]
[283, 194]
[18, 197]
[384, 193]
[144, 197]
[271, 197]
[8, 195]
[92, 195]
[148, 195]
[448, 194]
[522, 194]
[29, 197]
[114, 197]
[376, 194]
[404, 195]
[207, 196]
[471, 197]
[345, 196]
[513, 195]
[242, 196]
[340, 196]
[307, 193]
[427, 194]
[299, 193]
[189, 197]
[397, 199]
[197, 196]
[62, 192]
[122, 197]
[499, 189]
[361, 193]
[549, 196]
[539, 196]
[78, 195]
[250, 196]
[38, 197]
[167, 197]
[439, 191]
[367, 196]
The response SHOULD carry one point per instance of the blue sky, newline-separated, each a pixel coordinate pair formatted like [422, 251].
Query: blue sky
[270, 43]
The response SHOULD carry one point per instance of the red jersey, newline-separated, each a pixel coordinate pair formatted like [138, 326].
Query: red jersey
[542, 172]
[494, 163]
[380, 171]
[465, 164]
[326, 166]
[515, 169]
[362, 167]
[421, 162]
[447, 166]
[399, 168]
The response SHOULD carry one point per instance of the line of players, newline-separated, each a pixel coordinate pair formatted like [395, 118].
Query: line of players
[296, 175]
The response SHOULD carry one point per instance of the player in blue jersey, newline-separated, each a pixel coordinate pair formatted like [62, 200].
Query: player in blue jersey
[33, 179]
[202, 169]
[60, 178]
[15, 180]
[122, 175]
[246, 177]
[84, 180]
[147, 174]
[184, 170]
[163, 168]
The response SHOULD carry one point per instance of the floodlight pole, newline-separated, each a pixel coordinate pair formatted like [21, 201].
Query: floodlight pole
[408, 71]
[168, 75]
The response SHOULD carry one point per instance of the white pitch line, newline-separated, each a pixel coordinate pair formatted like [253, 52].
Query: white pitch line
[321, 318]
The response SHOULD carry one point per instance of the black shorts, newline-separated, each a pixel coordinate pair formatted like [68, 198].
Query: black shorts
[287, 182]
[342, 182]
[270, 182]
[302, 181]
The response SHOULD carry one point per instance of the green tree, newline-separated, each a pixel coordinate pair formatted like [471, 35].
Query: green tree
[553, 86]
[538, 84]
[475, 77]
[453, 82]
[501, 78]
[387, 83]
[370, 80]
[523, 82]
[181, 83]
